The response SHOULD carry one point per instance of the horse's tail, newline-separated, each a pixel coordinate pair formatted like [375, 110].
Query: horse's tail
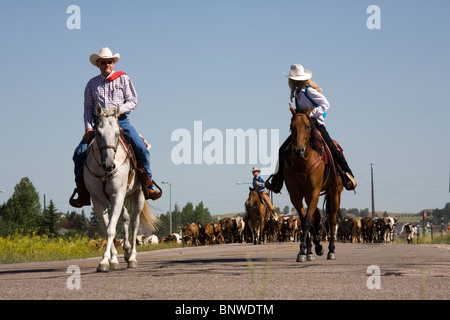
[149, 219]
[326, 204]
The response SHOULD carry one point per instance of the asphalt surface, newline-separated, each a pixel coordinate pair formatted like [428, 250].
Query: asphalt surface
[243, 272]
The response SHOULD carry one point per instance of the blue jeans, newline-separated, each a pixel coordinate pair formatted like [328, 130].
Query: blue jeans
[132, 136]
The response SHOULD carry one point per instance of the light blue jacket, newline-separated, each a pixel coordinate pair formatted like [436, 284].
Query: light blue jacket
[261, 187]
[309, 97]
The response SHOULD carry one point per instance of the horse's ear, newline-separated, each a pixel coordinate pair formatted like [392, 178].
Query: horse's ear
[98, 109]
[308, 112]
[117, 111]
[292, 109]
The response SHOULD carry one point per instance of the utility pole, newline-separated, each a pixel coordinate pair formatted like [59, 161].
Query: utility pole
[373, 197]
[170, 204]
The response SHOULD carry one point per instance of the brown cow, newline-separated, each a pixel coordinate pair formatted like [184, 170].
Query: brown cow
[209, 233]
[345, 229]
[272, 229]
[289, 229]
[247, 233]
[190, 234]
[367, 225]
[299, 228]
[380, 229]
[228, 227]
[218, 233]
[356, 232]
[240, 225]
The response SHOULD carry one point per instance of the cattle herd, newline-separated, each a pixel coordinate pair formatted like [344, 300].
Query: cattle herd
[286, 228]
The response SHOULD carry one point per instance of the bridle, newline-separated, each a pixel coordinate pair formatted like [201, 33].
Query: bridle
[107, 174]
[108, 146]
[293, 146]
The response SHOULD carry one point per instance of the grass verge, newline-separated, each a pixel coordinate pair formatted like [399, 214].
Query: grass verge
[20, 248]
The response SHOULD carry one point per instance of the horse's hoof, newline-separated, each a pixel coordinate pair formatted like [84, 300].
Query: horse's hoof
[319, 250]
[114, 266]
[331, 256]
[103, 268]
[310, 257]
[301, 258]
[132, 264]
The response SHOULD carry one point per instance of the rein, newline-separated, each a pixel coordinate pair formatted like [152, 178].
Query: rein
[107, 175]
[109, 147]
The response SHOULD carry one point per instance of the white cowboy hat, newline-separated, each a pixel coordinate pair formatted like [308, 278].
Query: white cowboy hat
[297, 72]
[104, 53]
[256, 169]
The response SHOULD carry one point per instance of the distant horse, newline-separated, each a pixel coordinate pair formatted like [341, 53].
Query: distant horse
[304, 172]
[257, 213]
[110, 178]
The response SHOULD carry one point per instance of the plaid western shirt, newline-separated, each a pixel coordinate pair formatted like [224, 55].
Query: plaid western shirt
[109, 94]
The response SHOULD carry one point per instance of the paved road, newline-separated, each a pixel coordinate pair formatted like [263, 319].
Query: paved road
[237, 271]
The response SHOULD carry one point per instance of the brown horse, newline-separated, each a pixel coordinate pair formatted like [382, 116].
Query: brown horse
[304, 172]
[257, 212]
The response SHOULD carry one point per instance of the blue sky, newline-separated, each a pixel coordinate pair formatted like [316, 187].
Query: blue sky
[222, 63]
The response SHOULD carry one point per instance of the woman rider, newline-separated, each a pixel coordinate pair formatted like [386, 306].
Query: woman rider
[308, 94]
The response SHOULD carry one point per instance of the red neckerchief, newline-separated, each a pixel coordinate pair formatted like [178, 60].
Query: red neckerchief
[115, 75]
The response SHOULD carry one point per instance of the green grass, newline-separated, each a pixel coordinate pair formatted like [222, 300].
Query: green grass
[437, 239]
[20, 248]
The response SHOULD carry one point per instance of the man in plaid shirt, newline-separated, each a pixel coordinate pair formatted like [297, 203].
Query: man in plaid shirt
[110, 89]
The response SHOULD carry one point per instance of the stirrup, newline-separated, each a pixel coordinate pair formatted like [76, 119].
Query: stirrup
[153, 194]
[351, 182]
[275, 187]
[81, 201]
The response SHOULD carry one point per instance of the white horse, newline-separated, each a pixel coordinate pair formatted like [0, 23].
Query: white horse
[109, 177]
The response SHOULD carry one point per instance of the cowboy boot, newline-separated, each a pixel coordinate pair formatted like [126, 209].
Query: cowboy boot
[83, 199]
[275, 182]
[350, 181]
[266, 198]
[273, 211]
[147, 184]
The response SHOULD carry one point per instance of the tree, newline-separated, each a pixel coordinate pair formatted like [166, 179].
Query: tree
[83, 225]
[95, 226]
[71, 221]
[50, 220]
[187, 214]
[22, 212]
[364, 213]
[176, 218]
[184, 217]
[286, 210]
[201, 214]
[438, 214]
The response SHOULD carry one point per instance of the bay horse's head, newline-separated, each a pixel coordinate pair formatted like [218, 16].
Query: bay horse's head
[107, 133]
[300, 131]
[253, 198]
